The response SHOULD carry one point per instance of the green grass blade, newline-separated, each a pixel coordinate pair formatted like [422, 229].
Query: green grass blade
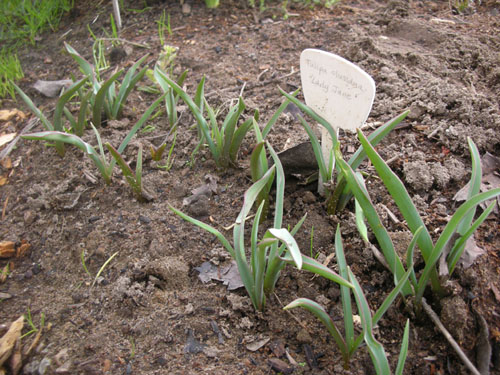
[61, 102]
[276, 115]
[100, 98]
[360, 221]
[376, 350]
[341, 196]
[447, 234]
[128, 83]
[400, 195]
[207, 228]
[238, 137]
[374, 138]
[85, 66]
[140, 123]
[53, 136]
[373, 219]
[312, 265]
[71, 120]
[317, 149]
[404, 349]
[138, 169]
[102, 268]
[345, 292]
[46, 123]
[307, 110]
[197, 113]
[388, 301]
[323, 316]
[409, 257]
[254, 261]
[82, 114]
[459, 247]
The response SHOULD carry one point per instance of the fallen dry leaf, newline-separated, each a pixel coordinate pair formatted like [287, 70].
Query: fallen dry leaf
[6, 138]
[4, 273]
[8, 340]
[16, 359]
[9, 114]
[7, 249]
[3, 180]
[495, 291]
[25, 246]
[6, 162]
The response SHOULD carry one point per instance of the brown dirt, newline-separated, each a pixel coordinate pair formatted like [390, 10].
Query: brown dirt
[148, 312]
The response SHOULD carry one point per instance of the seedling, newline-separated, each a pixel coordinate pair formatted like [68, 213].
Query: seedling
[57, 122]
[349, 344]
[99, 159]
[171, 98]
[340, 195]
[264, 264]
[162, 27]
[105, 98]
[133, 179]
[102, 268]
[223, 140]
[462, 222]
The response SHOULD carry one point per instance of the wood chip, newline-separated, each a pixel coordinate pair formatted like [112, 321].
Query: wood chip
[8, 341]
[7, 249]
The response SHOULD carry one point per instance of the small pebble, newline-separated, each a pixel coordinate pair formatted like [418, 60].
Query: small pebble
[144, 219]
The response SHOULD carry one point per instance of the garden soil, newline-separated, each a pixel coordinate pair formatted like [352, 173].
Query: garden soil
[147, 311]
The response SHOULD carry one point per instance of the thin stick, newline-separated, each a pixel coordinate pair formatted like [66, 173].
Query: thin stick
[448, 337]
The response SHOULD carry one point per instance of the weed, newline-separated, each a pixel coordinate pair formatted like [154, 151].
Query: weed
[10, 71]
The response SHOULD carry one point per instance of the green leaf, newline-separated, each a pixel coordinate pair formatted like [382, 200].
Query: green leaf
[372, 217]
[459, 247]
[447, 234]
[376, 350]
[323, 316]
[100, 97]
[128, 83]
[53, 136]
[345, 292]
[404, 349]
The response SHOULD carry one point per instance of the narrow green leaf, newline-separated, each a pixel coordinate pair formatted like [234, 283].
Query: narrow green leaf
[373, 219]
[53, 136]
[345, 292]
[100, 98]
[447, 234]
[459, 247]
[376, 350]
[238, 137]
[61, 102]
[206, 227]
[404, 349]
[276, 115]
[323, 316]
[46, 123]
[400, 195]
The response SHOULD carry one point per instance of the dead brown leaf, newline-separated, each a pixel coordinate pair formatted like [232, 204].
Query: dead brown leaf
[9, 114]
[6, 162]
[8, 340]
[7, 249]
[3, 180]
[6, 138]
[16, 361]
[21, 250]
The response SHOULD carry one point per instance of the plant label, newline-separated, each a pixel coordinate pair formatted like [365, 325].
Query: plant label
[337, 90]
